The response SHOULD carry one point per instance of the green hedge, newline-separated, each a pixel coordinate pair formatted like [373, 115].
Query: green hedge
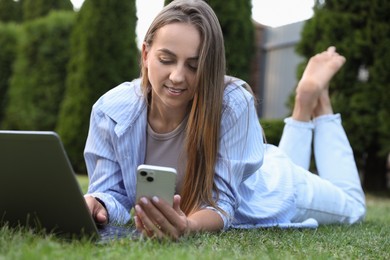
[10, 11]
[103, 54]
[273, 129]
[8, 41]
[38, 81]
[33, 9]
[361, 32]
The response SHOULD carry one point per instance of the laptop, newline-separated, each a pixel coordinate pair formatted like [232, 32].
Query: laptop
[39, 189]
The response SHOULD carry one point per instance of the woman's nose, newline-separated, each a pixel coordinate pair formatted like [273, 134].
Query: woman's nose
[177, 74]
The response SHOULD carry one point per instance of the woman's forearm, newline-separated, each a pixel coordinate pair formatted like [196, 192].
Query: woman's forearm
[205, 220]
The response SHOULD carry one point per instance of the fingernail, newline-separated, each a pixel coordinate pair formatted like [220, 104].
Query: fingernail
[155, 199]
[144, 200]
[138, 209]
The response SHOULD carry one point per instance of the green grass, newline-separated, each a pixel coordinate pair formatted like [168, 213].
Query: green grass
[369, 240]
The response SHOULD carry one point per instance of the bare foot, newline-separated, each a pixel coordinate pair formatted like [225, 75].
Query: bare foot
[312, 94]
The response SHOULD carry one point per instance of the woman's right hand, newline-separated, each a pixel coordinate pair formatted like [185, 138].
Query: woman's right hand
[156, 218]
[97, 210]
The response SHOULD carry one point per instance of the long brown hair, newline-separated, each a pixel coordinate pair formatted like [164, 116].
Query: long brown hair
[204, 119]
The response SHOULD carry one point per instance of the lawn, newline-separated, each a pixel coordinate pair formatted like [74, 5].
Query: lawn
[369, 240]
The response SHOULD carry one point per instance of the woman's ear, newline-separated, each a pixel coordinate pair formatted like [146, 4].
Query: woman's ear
[144, 53]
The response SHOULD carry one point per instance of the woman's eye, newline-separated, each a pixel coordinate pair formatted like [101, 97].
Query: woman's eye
[193, 67]
[165, 61]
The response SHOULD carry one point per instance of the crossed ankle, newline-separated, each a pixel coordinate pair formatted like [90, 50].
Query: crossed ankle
[324, 106]
[309, 85]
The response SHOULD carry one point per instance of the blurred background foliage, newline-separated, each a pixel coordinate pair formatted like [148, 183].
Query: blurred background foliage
[55, 63]
[103, 54]
[361, 90]
[37, 83]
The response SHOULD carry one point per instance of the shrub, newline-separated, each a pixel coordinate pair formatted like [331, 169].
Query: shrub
[10, 11]
[103, 54]
[8, 41]
[33, 9]
[273, 129]
[38, 82]
[360, 91]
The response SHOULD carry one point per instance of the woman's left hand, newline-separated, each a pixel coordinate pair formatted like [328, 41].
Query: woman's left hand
[155, 218]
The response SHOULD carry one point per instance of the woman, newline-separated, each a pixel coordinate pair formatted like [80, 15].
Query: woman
[185, 113]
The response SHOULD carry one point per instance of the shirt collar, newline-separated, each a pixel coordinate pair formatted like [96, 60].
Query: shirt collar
[124, 104]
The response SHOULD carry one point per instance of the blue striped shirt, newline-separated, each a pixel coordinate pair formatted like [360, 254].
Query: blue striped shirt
[252, 194]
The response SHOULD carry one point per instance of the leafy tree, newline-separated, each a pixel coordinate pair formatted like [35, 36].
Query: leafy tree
[10, 11]
[38, 81]
[235, 17]
[9, 34]
[103, 54]
[361, 32]
[273, 130]
[37, 8]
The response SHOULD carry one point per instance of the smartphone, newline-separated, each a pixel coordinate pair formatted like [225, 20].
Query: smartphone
[156, 181]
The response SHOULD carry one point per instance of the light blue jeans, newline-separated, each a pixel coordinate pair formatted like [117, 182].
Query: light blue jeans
[334, 195]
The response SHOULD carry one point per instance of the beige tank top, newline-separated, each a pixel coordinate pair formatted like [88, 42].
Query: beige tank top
[168, 150]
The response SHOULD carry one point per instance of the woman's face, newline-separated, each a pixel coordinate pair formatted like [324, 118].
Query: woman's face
[172, 62]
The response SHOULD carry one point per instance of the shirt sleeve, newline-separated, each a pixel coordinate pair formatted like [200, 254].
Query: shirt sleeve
[104, 172]
[241, 151]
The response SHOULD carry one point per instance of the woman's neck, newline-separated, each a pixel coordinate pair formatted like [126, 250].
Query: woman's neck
[163, 120]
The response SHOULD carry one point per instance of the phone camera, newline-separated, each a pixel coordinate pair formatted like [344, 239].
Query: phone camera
[143, 173]
[149, 179]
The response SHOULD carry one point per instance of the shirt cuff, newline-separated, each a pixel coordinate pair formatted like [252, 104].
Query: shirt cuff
[326, 118]
[227, 215]
[295, 123]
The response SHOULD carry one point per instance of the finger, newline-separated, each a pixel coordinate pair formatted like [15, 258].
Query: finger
[138, 224]
[96, 209]
[100, 213]
[90, 202]
[148, 226]
[176, 217]
[331, 49]
[156, 210]
[101, 216]
[141, 227]
[171, 220]
[176, 205]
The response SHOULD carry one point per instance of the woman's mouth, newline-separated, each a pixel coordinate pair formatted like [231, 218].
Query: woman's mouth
[175, 91]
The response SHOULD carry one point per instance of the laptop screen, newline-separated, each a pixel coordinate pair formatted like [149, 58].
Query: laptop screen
[38, 187]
